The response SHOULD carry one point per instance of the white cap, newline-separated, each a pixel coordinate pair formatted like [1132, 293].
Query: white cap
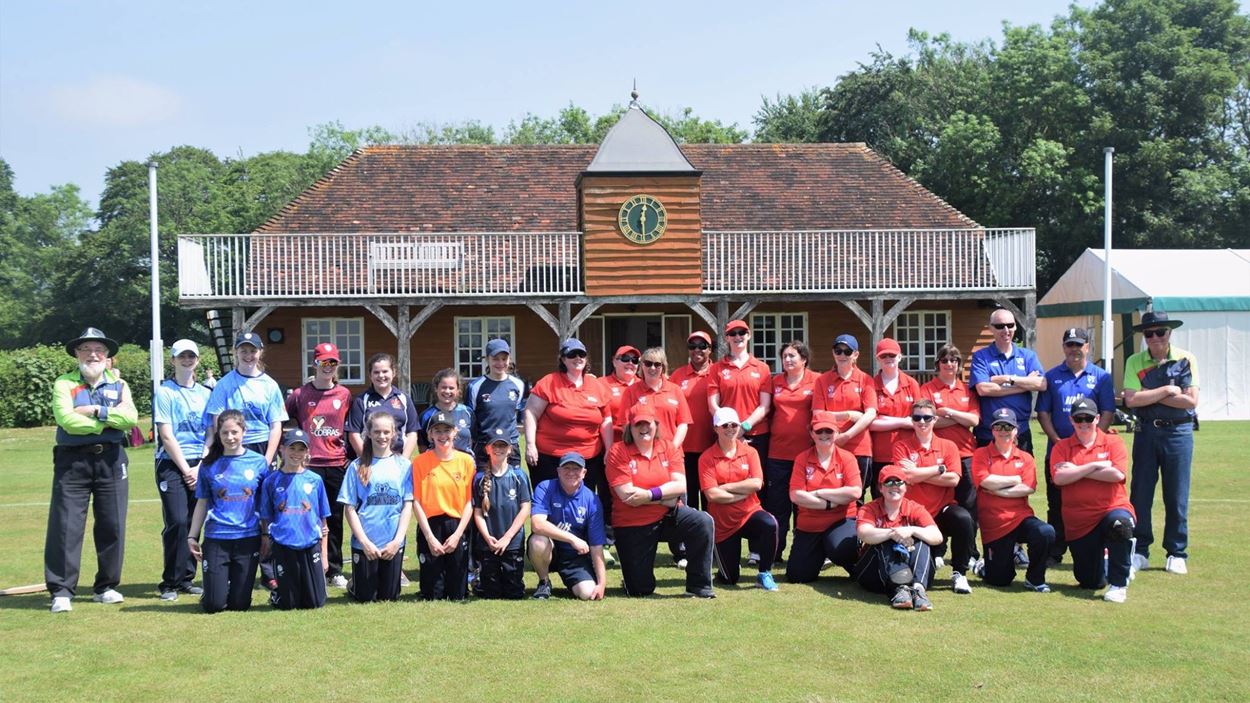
[724, 415]
[183, 345]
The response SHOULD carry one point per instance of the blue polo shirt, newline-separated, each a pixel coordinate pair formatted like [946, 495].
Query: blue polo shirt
[294, 506]
[580, 513]
[257, 397]
[990, 362]
[496, 408]
[231, 485]
[182, 409]
[1063, 388]
[379, 504]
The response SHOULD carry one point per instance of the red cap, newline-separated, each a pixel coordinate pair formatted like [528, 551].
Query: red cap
[888, 346]
[625, 349]
[823, 420]
[700, 334]
[736, 325]
[641, 413]
[326, 351]
[891, 471]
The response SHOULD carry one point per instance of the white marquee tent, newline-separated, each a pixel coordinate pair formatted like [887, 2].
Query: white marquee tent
[1208, 289]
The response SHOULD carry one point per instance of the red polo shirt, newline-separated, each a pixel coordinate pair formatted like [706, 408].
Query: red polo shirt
[625, 464]
[956, 397]
[616, 405]
[940, 451]
[854, 393]
[716, 469]
[740, 388]
[896, 404]
[996, 515]
[809, 475]
[693, 385]
[573, 416]
[792, 416]
[1086, 501]
[910, 514]
[668, 403]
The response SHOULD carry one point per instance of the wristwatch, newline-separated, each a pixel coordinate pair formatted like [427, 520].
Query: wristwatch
[941, 469]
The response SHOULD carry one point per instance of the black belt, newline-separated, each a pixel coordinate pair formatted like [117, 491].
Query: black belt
[1171, 423]
[86, 448]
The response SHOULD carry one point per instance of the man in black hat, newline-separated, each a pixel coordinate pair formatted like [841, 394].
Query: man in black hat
[1161, 384]
[93, 411]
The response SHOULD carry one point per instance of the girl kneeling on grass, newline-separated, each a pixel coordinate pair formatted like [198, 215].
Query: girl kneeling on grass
[293, 512]
[501, 504]
[377, 502]
[226, 490]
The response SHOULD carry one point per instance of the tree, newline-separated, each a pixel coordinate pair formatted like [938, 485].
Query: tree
[790, 118]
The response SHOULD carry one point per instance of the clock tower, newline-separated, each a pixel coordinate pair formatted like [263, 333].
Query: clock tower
[639, 211]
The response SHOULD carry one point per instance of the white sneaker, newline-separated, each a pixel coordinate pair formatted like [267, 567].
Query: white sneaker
[1116, 594]
[337, 581]
[169, 595]
[959, 584]
[109, 597]
[1139, 563]
[977, 566]
[608, 559]
[753, 559]
[62, 604]
[1176, 565]
[682, 564]
[828, 564]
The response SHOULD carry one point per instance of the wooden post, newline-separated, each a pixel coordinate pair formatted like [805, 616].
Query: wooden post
[403, 349]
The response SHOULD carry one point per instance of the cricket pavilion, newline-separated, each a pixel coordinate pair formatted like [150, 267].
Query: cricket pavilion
[426, 252]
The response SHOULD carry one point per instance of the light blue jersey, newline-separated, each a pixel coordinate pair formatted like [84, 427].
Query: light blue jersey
[182, 409]
[294, 506]
[257, 397]
[380, 504]
[231, 485]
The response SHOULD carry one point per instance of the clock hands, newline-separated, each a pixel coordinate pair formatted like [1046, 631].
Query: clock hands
[643, 220]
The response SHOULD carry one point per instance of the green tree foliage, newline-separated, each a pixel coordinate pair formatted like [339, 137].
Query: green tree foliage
[790, 118]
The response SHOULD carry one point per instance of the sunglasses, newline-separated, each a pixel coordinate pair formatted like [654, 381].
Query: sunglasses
[327, 364]
[842, 351]
[697, 346]
[729, 426]
[575, 354]
[1003, 325]
[887, 356]
[1082, 419]
[653, 364]
[736, 333]
[823, 430]
[1073, 345]
[950, 360]
[1003, 428]
[627, 359]
[923, 418]
[1160, 332]
[893, 482]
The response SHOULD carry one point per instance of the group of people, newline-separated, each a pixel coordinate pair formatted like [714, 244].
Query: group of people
[879, 475]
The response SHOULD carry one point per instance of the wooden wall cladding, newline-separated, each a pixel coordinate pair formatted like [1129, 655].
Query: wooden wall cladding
[613, 265]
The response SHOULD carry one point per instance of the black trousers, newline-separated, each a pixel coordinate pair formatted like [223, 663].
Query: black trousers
[880, 567]
[1054, 509]
[966, 496]
[301, 582]
[868, 474]
[596, 481]
[760, 530]
[838, 544]
[376, 579]
[957, 527]
[1000, 555]
[501, 575]
[229, 573]
[333, 477]
[694, 492]
[637, 547]
[775, 497]
[444, 577]
[81, 477]
[266, 566]
[177, 505]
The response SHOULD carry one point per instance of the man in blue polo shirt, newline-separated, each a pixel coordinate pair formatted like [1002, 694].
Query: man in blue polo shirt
[496, 400]
[1006, 376]
[568, 535]
[1077, 377]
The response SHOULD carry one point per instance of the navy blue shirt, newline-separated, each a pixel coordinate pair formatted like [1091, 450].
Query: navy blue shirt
[580, 513]
[1063, 388]
[990, 362]
[507, 493]
[497, 407]
[397, 404]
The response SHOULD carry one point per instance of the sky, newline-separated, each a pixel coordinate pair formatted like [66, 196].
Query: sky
[87, 85]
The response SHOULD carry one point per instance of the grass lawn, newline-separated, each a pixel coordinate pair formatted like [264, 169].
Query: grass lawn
[1177, 638]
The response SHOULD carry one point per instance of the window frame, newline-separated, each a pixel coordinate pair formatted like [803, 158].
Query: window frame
[774, 360]
[509, 336]
[345, 367]
[915, 359]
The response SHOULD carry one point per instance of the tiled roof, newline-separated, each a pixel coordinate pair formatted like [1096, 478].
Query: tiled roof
[533, 188]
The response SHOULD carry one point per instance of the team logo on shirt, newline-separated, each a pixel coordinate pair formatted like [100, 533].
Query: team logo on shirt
[616, 391]
[581, 513]
[592, 400]
[685, 382]
[511, 494]
[937, 398]
[810, 470]
[664, 463]
[725, 374]
[308, 489]
[807, 391]
[755, 374]
[395, 403]
[1103, 455]
[672, 401]
[642, 400]
[744, 466]
[1019, 464]
[337, 403]
[633, 466]
[249, 474]
[485, 397]
[1020, 363]
[913, 456]
[512, 395]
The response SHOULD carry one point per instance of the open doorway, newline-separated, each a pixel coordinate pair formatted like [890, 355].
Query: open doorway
[604, 333]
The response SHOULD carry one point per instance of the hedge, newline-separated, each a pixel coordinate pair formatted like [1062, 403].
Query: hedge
[27, 375]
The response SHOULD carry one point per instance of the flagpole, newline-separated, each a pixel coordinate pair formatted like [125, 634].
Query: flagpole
[157, 346]
[1108, 323]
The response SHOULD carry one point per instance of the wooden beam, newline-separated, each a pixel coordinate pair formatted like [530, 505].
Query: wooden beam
[722, 319]
[897, 309]
[583, 315]
[255, 318]
[384, 317]
[859, 312]
[703, 313]
[426, 313]
[1030, 320]
[876, 330]
[744, 310]
[565, 312]
[545, 315]
[403, 349]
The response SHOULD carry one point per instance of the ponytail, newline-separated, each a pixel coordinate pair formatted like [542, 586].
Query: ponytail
[488, 479]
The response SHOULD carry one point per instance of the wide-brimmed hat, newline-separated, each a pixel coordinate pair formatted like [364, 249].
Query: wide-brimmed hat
[91, 334]
[1156, 319]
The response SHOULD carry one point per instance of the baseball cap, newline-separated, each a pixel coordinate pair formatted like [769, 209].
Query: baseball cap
[886, 346]
[641, 413]
[724, 415]
[326, 352]
[1005, 416]
[848, 340]
[823, 420]
[1083, 406]
[1075, 334]
[625, 349]
[736, 325]
[499, 439]
[891, 471]
[571, 345]
[573, 458]
[439, 419]
[497, 346]
[184, 345]
[249, 338]
[294, 436]
[700, 334]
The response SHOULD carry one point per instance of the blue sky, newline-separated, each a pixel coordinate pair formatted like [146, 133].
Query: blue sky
[86, 85]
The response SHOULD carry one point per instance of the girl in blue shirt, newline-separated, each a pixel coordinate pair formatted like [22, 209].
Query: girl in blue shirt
[447, 392]
[501, 505]
[377, 502]
[226, 491]
[293, 512]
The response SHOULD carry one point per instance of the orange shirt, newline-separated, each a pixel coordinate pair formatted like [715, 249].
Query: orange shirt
[792, 416]
[998, 516]
[693, 385]
[740, 388]
[715, 469]
[616, 405]
[910, 514]
[855, 393]
[896, 404]
[1086, 501]
[442, 487]
[668, 403]
[809, 475]
[957, 397]
[940, 451]
[625, 464]
[573, 416]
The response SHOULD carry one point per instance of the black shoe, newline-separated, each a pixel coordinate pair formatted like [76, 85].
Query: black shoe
[701, 593]
[191, 590]
[543, 592]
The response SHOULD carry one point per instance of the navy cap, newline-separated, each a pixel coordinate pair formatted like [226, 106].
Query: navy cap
[1075, 334]
[571, 345]
[249, 338]
[439, 419]
[1083, 406]
[573, 458]
[497, 346]
[1005, 416]
[293, 436]
[848, 340]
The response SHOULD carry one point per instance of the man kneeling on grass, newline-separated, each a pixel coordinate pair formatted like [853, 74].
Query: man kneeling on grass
[568, 535]
[896, 534]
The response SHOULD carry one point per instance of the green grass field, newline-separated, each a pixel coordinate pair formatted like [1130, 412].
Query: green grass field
[1177, 638]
